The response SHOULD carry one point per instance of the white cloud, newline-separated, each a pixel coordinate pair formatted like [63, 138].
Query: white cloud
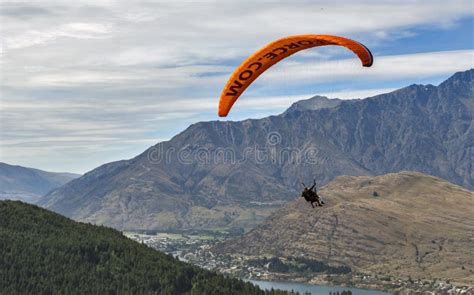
[390, 67]
[89, 81]
[72, 30]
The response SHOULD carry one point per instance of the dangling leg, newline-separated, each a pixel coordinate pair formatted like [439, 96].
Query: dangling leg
[320, 201]
[312, 204]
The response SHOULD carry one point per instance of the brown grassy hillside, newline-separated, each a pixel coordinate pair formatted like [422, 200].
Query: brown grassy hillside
[418, 225]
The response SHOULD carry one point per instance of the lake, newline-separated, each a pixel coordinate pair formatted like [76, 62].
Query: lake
[314, 289]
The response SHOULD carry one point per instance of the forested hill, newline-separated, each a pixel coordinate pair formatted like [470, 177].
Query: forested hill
[45, 253]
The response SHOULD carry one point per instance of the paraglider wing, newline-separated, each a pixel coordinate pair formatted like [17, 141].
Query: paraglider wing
[272, 53]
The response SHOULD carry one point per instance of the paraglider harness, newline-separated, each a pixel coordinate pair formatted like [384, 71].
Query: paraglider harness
[311, 195]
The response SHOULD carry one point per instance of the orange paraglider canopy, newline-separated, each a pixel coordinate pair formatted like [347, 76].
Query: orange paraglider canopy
[272, 53]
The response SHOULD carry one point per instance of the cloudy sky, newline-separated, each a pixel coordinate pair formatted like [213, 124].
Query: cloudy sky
[92, 81]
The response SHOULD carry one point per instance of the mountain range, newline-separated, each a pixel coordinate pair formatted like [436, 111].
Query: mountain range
[402, 225]
[225, 174]
[29, 184]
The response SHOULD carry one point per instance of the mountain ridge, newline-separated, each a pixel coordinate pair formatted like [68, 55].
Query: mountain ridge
[29, 184]
[210, 175]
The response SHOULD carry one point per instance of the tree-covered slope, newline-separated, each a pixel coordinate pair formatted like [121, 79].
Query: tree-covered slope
[44, 253]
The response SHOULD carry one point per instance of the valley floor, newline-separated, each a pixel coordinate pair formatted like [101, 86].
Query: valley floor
[195, 248]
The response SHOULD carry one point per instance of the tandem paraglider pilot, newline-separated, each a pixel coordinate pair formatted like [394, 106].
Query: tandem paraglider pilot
[311, 195]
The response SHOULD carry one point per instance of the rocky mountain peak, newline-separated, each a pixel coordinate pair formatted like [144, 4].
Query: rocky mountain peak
[314, 103]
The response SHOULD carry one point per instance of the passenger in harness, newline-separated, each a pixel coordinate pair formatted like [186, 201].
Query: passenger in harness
[311, 195]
